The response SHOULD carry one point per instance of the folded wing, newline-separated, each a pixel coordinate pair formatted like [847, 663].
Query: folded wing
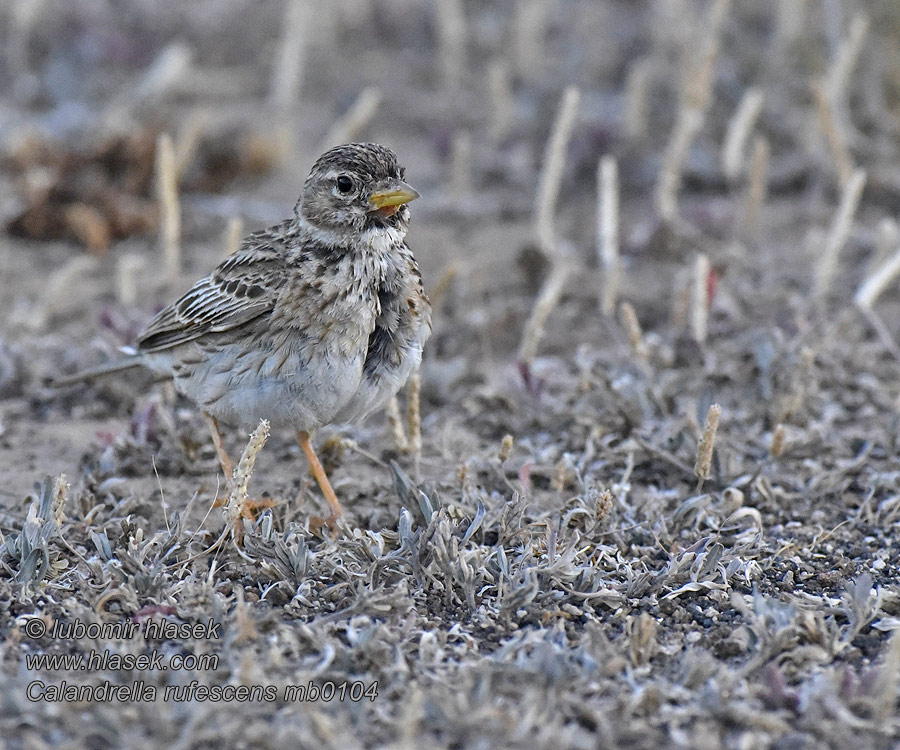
[243, 287]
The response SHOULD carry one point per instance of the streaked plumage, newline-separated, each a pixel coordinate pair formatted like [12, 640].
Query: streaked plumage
[316, 320]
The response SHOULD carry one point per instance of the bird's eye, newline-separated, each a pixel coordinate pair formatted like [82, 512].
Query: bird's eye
[344, 184]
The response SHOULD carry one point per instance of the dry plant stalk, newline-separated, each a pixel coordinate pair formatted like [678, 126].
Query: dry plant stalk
[757, 188]
[847, 56]
[289, 61]
[127, 269]
[697, 92]
[637, 94]
[884, 267]
[629, 319]
[451, 28]
[879, 280]
[501, 96]
[168, 69]
[688, 125]
[413, 414]
[234, 233]
[837, 235]
[546, 301]
[461, 164]
[707, 443]
[608, 231]
[360, 114]
[554, 163]
[89, 226]
[240, 479]
[776, 448]
[681, 298]
[170, 66]
[700, 298]
[401, 443]
[834, 134]
[887, 238]
[169, 210]
[739, 129]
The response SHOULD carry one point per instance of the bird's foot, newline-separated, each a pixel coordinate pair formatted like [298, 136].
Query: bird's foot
[317, 524]
[251, 508]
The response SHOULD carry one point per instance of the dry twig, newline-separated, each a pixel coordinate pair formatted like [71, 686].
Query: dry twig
[707, 444]
[169, 209]
[608, 231]
[838, 234]
[554, 163]
[739, 128]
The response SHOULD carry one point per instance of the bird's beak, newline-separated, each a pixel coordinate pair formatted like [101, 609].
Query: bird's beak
[393, 195]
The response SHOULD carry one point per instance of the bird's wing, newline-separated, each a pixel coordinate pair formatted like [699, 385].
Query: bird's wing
[243, 287]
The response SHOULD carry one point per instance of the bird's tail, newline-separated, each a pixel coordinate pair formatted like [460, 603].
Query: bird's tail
[134, 360]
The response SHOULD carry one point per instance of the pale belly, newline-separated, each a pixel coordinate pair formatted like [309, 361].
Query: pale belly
[377, 387]
[295, 387]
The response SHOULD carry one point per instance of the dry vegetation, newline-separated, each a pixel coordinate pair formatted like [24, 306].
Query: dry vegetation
[651, 496]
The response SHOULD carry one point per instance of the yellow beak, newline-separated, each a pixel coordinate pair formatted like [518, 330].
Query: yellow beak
[396, 195]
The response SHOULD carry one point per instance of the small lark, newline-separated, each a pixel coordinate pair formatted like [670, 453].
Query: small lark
[317, 320]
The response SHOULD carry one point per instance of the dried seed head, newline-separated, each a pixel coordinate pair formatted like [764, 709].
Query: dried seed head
[563, 474]
[60, 490]
[642, 638]
[707, 443]
[777, 446]
[632, 326]
[242, 473]
[604, 505]
[506, 446]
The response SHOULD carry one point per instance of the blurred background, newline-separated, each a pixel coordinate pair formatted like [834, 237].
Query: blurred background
[604, 184]
[609, 190]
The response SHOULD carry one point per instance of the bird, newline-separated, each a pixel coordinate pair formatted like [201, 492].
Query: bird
[317, 320]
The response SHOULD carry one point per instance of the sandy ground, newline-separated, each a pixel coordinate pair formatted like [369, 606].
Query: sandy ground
[549, 571]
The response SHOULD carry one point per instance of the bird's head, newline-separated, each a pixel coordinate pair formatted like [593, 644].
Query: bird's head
[353, 187]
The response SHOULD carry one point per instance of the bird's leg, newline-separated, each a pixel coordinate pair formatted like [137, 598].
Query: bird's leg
[322, 479]
[224, 460]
